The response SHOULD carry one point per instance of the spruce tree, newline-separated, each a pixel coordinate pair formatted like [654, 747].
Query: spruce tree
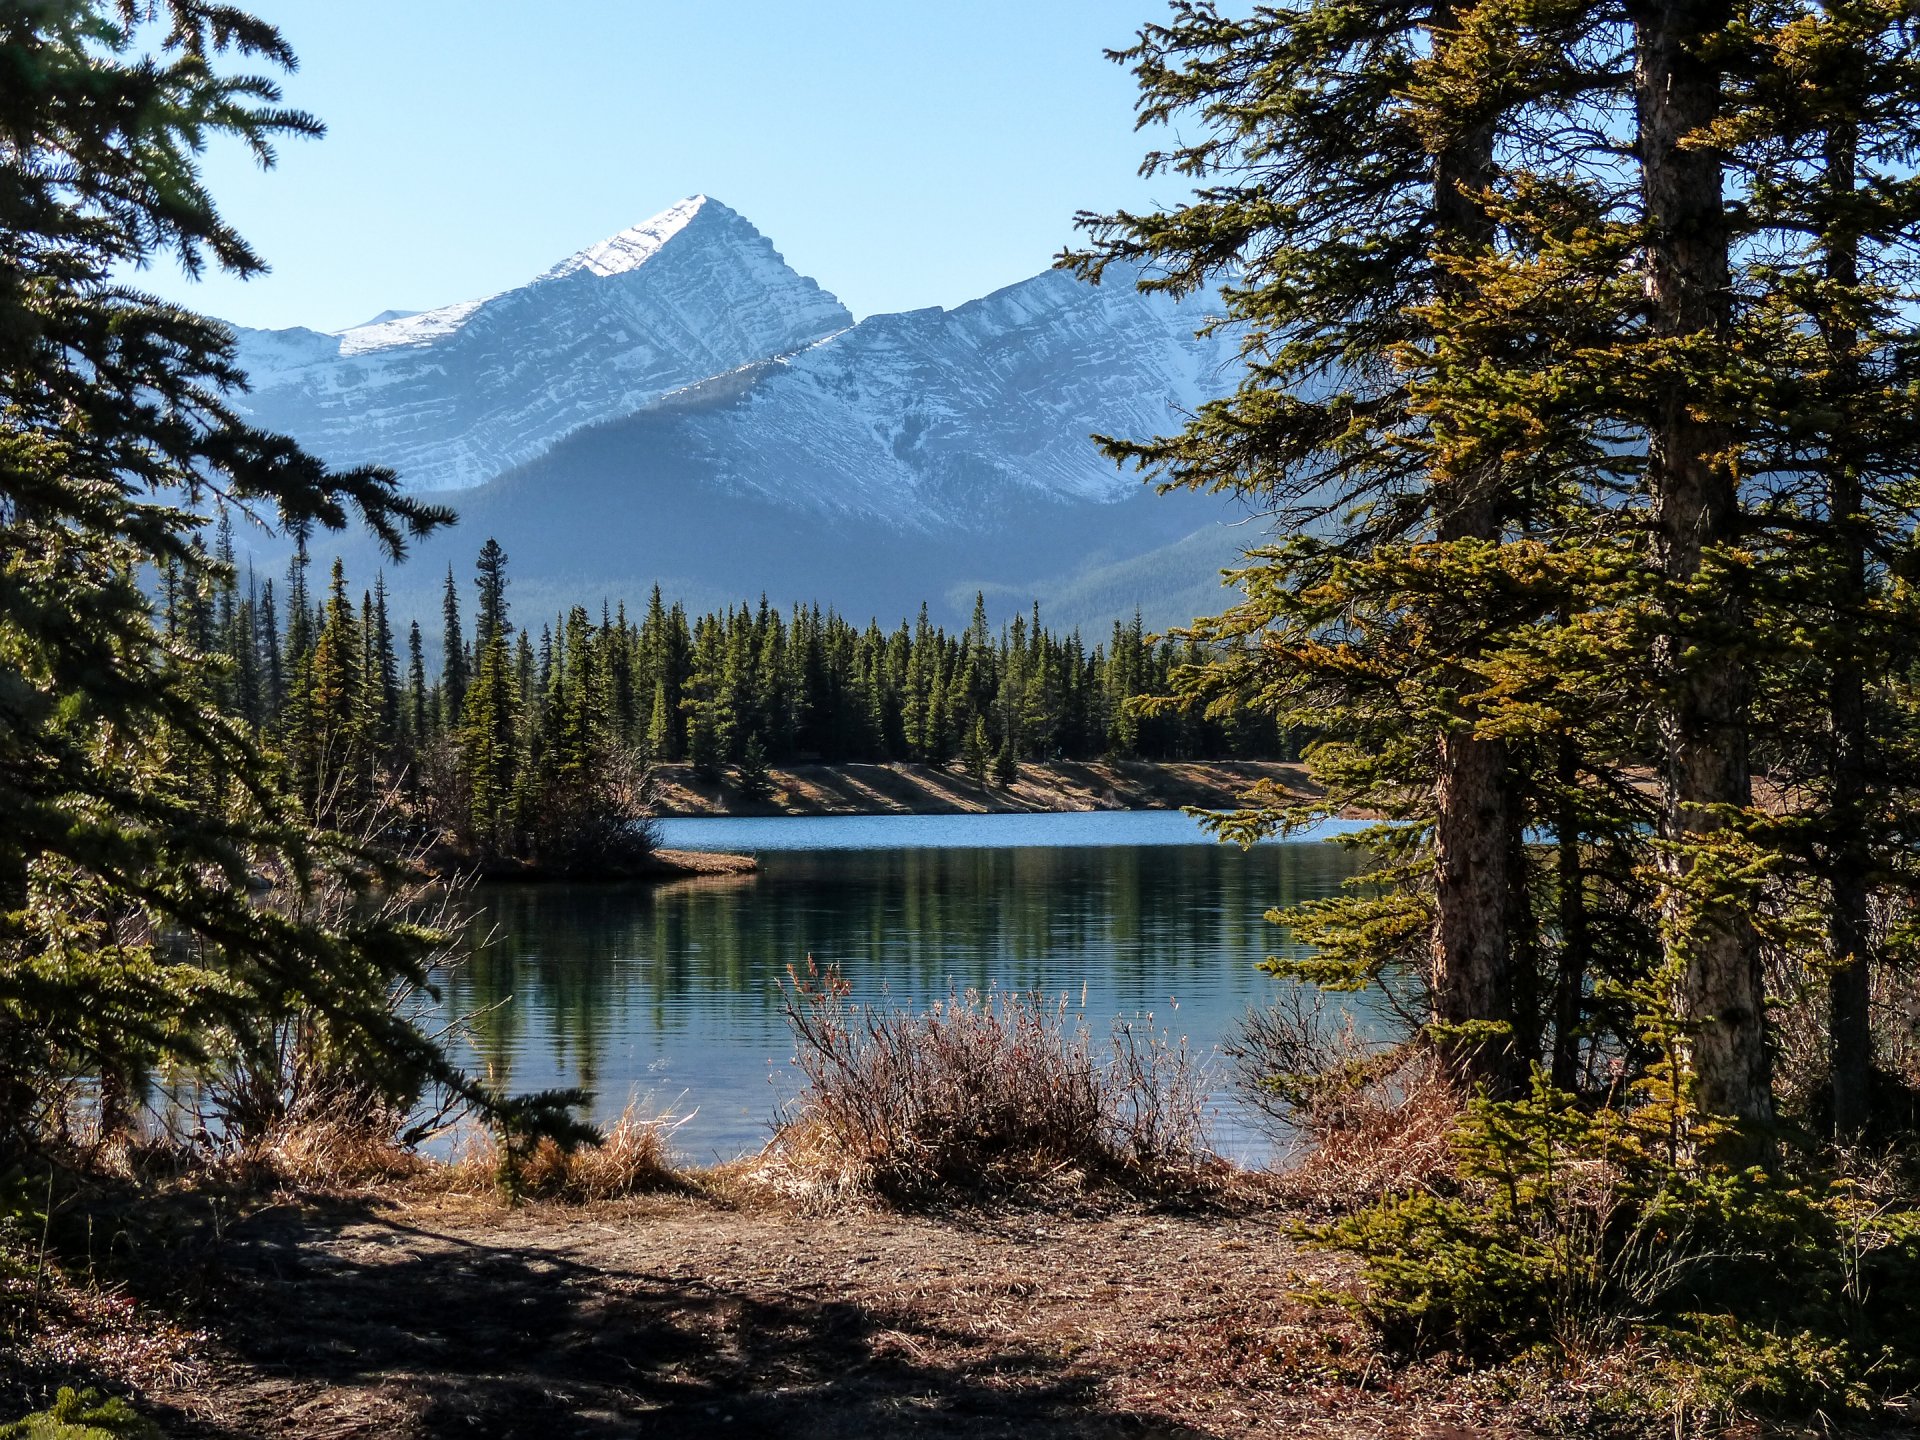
[453, 656]
[418, 711]
[753, 778]
[116, 433]
[976, 752]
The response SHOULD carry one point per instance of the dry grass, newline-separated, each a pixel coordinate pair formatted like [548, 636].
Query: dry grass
[1393, 1137]
[635, 1158]
[314, 1154]
[980, 1094]
[1367, 1118]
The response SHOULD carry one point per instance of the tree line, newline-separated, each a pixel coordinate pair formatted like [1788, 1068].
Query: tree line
[529, 744]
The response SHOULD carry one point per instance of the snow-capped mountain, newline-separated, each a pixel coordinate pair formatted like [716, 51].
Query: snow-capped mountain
[675, 404]
[452, 397]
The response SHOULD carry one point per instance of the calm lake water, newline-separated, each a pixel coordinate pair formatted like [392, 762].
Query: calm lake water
[671, 993]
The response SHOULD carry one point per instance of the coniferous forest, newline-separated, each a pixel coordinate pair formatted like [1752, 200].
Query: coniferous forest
[535, 747]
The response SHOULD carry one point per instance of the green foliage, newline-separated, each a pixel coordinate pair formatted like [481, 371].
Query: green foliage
[752, 778]
[1006, 769]
[1577, 1226]
[1581, 348]
[173, 886]
[520, 1124]
[137, 816]
[82, 1415]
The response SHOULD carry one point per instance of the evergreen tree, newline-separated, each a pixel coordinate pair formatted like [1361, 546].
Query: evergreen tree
[1006, 769]
[752, 777]
[419, 712]
[453, 657]
[490, 579]
[113, 409]
[976, 752]
[489, 748]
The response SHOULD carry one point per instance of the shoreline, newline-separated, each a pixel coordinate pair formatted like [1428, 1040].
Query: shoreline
[660, 867]
[910, 788]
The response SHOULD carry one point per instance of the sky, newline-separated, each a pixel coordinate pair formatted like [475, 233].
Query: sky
[901, 154]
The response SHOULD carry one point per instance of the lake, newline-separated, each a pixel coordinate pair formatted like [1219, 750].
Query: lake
[671, 993]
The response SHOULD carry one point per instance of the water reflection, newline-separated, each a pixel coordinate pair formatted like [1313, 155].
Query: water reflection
[674, 991]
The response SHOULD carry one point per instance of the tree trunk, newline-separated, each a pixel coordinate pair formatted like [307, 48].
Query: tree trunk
[1471, 952]
[1696, 507]
[1570, 984]
[1850, 1033]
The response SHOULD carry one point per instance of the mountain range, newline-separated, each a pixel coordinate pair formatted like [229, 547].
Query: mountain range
[677, 405]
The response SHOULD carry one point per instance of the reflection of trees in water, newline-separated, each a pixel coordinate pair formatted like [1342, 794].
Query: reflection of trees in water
[594, 969]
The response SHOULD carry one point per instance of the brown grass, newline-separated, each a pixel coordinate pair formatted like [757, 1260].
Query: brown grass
[635, 1158]
[1365, 1117]
[1393, 1137]
[315, 1154]
[980, 1094]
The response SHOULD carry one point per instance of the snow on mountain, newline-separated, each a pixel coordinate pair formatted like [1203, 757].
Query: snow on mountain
[454, 396]
[936, 418]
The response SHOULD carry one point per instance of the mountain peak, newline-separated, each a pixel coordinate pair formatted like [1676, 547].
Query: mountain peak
[455, 396]
[637, 244]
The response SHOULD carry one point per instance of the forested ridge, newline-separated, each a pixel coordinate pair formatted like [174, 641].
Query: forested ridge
[531, 744]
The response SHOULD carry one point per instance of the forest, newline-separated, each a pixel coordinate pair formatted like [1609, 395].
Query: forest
[514, 746]
[1582, 376]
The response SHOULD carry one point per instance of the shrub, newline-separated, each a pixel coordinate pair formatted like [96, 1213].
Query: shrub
[1368, 1117]
[633, 1158]
[82, 1415]
[1573, 1228]
[993, 1092]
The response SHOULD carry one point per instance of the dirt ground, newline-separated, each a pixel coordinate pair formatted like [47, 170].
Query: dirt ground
[906, 789]
[670, 1316]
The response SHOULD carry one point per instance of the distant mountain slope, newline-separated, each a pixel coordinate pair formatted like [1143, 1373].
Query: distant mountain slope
[675, 405]
[453, 397]
[937, 418]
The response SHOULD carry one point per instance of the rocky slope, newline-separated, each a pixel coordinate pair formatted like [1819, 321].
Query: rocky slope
[454, 396]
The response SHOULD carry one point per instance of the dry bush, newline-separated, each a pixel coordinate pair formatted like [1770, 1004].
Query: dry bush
[979, 1094]
[634, 1158]
[1393, 1138]
[319, 1154]
[1364, 1118]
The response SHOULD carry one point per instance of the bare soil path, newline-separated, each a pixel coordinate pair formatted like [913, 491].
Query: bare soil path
[676, 1317]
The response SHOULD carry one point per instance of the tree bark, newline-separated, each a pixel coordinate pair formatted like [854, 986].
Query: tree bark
[1471, 959]
[1696, 507]
[1570, 984]
[1850, 1031]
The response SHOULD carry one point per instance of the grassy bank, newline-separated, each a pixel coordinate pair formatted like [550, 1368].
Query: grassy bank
[912, 789]
[981, 1220]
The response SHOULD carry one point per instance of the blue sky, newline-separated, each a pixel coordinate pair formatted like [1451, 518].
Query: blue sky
[901, 154]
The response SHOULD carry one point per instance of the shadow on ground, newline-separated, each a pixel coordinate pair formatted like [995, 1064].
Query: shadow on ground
[386, 1328]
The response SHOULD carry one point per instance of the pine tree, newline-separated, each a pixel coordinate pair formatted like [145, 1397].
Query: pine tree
[453, 657]
[490, 579]
[753, 778]
[115, 408]
[489, 748]
[419, 712]
[977, 751]
[1006, 769]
